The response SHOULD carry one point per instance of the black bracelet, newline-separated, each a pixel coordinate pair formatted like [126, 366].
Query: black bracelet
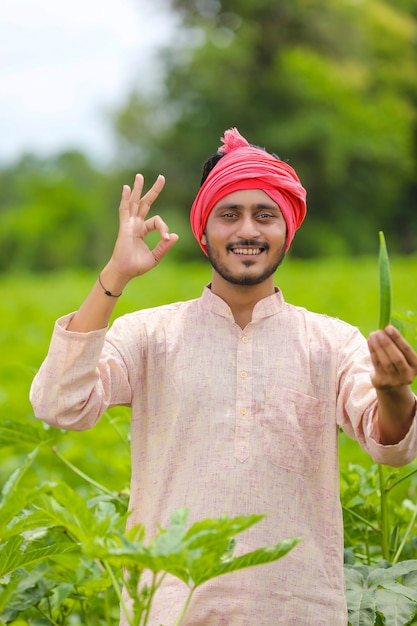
[106, 291]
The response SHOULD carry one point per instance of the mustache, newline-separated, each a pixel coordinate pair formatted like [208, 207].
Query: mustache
[254, 243]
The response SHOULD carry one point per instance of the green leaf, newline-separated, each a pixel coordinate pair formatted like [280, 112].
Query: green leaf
[207, 533]
[12, 484]
[136, 558]
[381, 576]
[370, 590]
[61, 593]
[205, 545]
[198, 554]
[6, 592]
[396, 607]
[410, 579]
[13, 432]
[170, 541]
[68, 509]
[362, 611]
[360, 599]
[32, 587]
[17, 553]
[256, 557]
[89, 578]
[15, 498]
[29, 521]
[394, 539]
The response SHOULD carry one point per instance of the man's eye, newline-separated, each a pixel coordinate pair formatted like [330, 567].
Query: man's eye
[229, 215]
[265, 215]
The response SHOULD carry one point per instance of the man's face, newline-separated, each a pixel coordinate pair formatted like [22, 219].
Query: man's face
[245, 237]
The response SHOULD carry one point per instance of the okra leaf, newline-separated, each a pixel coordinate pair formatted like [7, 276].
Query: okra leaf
[257, 557]
[13, 432]
[11, 486]
[397, 608]
[207, 533]
[17, 552]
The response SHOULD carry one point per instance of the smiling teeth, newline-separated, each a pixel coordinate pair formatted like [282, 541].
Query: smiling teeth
[253, 251]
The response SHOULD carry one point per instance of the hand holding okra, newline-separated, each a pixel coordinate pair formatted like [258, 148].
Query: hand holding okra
[394, 360]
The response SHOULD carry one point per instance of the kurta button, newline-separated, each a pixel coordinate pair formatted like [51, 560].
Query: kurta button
[245, 339]
[243, 374]
[243, 410]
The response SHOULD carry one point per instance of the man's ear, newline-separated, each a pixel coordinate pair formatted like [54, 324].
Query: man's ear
[203, 239]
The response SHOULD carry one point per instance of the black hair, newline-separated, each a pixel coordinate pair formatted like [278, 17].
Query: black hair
[215, 158]
[209, 164]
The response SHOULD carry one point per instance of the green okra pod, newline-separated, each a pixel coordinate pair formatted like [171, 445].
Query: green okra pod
[385, 290]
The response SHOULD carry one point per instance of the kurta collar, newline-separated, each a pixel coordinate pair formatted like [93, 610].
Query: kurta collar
[264, 308]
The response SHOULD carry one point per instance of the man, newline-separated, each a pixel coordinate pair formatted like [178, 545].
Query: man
[236, 396]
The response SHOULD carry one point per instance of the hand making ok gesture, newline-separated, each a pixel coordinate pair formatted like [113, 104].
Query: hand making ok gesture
[131, 255]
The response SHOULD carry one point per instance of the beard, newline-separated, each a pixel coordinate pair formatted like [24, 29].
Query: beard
[244, 278]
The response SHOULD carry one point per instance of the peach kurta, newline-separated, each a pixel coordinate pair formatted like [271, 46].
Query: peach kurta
[231, 421]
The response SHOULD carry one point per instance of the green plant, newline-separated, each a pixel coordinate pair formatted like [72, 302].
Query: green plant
[194, 555]
[382, 595]
[58, 551]
[367, 539]
[385, 289]
[380, 550]
[380, 532]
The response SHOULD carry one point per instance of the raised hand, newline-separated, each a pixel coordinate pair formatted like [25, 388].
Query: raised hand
[132, 256]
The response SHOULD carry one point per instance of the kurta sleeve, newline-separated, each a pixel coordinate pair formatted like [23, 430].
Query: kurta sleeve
[82, 376]
[357, 406]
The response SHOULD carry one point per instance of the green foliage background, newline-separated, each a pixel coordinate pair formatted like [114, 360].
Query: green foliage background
[329, 85]
[345, 288]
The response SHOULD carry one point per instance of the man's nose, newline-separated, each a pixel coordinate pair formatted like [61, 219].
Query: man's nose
[248, 228]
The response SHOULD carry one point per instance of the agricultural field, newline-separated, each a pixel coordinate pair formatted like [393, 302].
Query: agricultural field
[344, 288]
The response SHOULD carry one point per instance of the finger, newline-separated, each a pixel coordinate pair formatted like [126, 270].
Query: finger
[396, 348]
[403, 345]
[389, 361]
[135, 196]
[150, 197]
[157, 223]
[124, 200]
[164, 246]
[374, 355]
[386, 350]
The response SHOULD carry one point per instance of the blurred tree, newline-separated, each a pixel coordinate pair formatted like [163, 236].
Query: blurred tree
[54, 213]
[330, 85]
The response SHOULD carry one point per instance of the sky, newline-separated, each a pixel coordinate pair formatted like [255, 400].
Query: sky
[64, 63]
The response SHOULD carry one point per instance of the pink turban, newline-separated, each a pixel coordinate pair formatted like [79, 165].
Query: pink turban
[246, 167]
